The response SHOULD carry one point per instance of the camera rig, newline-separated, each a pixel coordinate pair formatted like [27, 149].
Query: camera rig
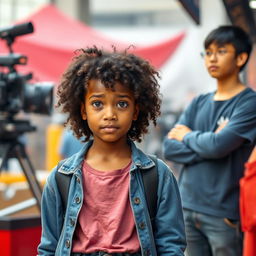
[17, 95]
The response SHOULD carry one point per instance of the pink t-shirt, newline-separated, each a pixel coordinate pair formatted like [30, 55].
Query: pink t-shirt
[105, 222]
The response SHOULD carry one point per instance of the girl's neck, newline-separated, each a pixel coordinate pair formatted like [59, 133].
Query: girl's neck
[119, 147]
[108, 156]
[228, 88]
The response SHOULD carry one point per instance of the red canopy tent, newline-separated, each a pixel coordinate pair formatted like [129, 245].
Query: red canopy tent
[56, 36]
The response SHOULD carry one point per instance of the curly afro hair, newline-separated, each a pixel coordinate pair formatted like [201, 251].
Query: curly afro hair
[109, 67]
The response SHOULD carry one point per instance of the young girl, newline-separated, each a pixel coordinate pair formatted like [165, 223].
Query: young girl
[110, 99]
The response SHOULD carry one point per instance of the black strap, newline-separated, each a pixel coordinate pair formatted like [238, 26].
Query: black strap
[150, 182]
[63, 182]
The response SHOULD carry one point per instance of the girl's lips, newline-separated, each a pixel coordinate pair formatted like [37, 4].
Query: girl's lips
[109, 129]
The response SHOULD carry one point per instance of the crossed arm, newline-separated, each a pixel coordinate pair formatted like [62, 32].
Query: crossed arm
[183, 145]
[180, 131]
[186, 145]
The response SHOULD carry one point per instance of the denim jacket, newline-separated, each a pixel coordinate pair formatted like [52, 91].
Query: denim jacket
[169, 232]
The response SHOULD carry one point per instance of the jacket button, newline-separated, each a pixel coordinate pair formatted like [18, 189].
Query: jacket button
[67, 243]
[146, 252]
[142, 225]
[136, 200]
[78, 180]
[72, 222]
[78, 200]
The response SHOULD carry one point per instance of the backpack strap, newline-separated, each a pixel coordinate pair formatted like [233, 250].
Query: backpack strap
[150, 182]
[63, 182]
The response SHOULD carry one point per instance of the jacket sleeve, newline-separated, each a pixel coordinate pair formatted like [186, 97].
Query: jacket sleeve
[51, 218]
[169, 224]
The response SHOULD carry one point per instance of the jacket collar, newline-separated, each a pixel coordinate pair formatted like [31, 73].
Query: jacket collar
[139, 158]
[73, 163]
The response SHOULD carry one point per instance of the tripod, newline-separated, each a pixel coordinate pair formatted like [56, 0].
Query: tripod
[12, 148]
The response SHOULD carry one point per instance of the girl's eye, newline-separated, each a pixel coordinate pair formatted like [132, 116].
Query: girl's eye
[122, 104]
[97, 104]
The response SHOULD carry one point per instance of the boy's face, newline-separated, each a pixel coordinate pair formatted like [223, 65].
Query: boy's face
[221, 61]
[109, 113]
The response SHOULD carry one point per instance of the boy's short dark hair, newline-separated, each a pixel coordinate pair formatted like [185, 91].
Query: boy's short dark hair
[230, 34]
[109, 67]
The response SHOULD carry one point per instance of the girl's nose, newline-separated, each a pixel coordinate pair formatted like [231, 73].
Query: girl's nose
[110, 114]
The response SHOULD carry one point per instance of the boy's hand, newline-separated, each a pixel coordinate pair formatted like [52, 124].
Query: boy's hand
[221, 126]
[178, 132]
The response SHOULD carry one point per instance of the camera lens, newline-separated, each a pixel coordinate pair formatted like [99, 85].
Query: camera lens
[38, 98]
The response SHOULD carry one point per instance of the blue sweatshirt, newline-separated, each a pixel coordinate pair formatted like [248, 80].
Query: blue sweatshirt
[214, 162]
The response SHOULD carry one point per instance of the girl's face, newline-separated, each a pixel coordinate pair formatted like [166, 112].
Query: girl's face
[109, 113]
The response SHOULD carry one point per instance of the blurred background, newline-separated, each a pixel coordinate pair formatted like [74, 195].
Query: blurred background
[169, 33]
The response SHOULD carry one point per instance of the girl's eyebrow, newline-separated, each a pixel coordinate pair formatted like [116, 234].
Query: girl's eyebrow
[102, 96]
[123, 96]
[97, 96]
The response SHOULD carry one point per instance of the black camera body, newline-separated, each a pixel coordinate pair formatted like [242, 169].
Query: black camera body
[16, 93]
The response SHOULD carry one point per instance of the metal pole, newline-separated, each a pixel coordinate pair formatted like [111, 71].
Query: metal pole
[18, 207]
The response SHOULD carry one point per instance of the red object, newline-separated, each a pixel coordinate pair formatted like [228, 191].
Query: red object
[249, 244]
[248, 208]
[56, 36]
[248, 198]
[19, 236]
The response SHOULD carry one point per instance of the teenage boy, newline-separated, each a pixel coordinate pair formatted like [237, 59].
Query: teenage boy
[213, 139]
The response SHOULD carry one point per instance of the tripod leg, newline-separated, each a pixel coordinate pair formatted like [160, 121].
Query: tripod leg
[29, 172]
[5, 156]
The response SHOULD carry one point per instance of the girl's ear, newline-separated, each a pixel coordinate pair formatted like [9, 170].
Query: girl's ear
[83, 113]
[136, 112]
[241, 59]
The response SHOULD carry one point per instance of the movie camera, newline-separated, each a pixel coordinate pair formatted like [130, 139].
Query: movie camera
[16, 95]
